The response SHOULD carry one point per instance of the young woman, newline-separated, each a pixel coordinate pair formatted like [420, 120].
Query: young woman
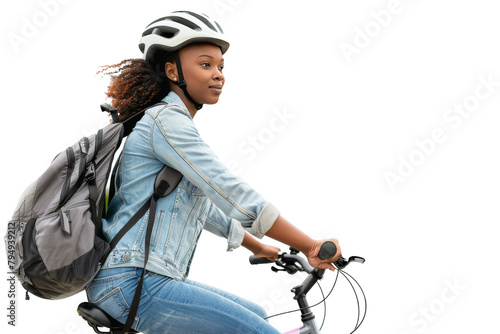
[183, 66]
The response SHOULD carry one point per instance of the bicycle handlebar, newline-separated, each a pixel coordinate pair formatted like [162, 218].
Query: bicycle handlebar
[288, 261]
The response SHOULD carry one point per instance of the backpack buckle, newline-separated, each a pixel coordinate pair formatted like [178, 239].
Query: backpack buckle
[90, 172]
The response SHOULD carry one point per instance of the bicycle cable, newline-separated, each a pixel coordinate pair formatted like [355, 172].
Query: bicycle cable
[324, 306]
[358, 322]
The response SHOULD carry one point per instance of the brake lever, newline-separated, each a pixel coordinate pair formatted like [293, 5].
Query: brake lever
[341, 263]
[287, 265]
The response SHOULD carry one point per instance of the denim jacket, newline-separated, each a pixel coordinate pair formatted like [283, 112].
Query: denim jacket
[208, 196]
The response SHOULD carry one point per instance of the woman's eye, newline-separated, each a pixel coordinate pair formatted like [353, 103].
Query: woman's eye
[221, 68]
[207, 65]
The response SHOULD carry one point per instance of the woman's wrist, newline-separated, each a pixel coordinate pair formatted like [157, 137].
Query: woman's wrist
[251, 243]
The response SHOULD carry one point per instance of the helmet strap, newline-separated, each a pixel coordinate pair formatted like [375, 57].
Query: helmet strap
[182, 83]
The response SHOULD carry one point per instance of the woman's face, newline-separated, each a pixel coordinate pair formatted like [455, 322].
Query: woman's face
[202, 66]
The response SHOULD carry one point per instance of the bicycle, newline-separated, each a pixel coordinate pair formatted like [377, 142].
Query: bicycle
[291, 263]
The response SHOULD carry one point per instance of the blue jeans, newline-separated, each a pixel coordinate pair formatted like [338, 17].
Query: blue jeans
[169, 306]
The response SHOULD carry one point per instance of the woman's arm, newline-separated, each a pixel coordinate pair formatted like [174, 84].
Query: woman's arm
[283, 231]
[177, 143]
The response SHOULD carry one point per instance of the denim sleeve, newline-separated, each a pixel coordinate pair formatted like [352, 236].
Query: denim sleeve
[177, 143]
[223, 226]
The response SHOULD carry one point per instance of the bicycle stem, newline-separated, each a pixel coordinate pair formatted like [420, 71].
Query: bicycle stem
[301, 291]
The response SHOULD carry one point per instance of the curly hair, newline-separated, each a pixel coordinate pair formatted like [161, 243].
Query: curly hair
[135, 84]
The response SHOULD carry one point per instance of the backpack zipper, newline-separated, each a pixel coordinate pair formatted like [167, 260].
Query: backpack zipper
[84, 151]
[66, 192]
[70, 155]
[65, 220]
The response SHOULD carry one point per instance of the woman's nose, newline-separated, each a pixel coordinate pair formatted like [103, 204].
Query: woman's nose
[218, 75]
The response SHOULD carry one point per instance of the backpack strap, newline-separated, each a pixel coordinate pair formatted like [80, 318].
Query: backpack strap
[162, 188]
[166, 181]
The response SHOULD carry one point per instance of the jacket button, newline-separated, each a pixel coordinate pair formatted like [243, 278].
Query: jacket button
[126, 257]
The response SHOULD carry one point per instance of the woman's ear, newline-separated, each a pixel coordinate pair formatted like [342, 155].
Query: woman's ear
[171, 71]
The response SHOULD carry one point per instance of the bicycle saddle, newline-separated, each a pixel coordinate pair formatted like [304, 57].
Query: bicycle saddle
[97, 317]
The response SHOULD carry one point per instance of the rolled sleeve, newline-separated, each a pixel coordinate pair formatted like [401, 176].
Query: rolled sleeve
[264, 221]
[223, 226]
[177, 143]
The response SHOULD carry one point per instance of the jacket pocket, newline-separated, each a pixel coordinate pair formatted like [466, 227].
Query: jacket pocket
[157, 229]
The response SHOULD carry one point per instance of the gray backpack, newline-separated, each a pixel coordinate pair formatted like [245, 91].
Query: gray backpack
[54, 240]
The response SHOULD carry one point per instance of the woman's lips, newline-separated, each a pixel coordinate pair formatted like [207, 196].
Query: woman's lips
[217, 89]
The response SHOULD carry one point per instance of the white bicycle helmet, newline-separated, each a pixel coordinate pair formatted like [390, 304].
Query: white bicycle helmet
[172, 32]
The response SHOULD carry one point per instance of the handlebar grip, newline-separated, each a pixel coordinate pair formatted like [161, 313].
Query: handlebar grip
[327, 250]
[259, 260]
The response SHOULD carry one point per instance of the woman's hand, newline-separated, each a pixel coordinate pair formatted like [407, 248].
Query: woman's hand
[313, 255]
[259, 249]
[267, 251]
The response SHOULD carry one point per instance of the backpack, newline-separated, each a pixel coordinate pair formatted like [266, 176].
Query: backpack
[54, 240]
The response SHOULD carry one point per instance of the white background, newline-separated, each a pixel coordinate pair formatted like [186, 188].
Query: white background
[430, 241]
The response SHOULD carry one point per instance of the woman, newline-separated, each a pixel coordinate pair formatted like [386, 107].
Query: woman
[182, 65]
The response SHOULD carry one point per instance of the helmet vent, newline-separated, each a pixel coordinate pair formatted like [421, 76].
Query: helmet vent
[167, 32]
[203, 19]
[184, 22]
[220, 28]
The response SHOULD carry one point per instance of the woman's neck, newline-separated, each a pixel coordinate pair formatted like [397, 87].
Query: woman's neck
[189, 105]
